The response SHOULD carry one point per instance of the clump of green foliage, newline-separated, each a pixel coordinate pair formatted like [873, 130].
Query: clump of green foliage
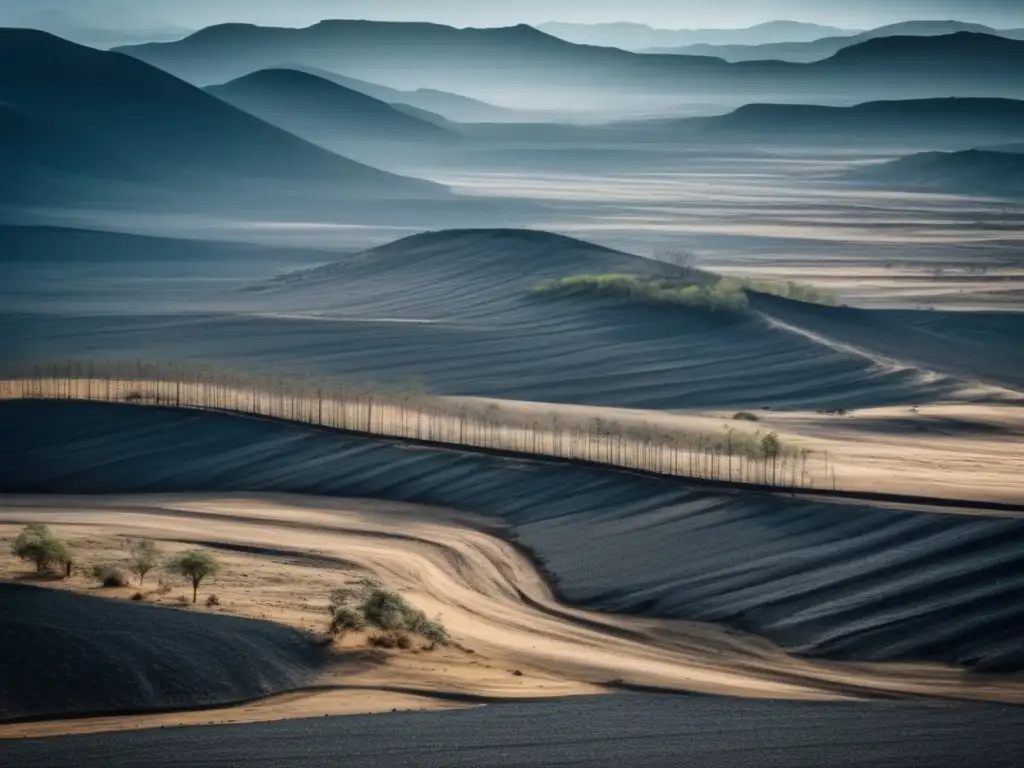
[745, 416]
[370, 605]
[38, 545]
[109, 575]
[728, 294]
[725, 294]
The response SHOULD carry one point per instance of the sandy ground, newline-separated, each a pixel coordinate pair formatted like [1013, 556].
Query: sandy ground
[951, 450]
[946, 450]
[284, 707]
[497, 606]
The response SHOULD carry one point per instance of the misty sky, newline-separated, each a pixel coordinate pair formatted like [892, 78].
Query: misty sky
[663, 13]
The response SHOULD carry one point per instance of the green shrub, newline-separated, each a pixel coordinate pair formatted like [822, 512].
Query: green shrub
[727, 294]
[723, 294]
[109, 575]
[368, 604]
[746, 416]
[345, 620]
[37, 544]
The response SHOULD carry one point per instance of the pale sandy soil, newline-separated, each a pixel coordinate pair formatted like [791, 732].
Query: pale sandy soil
[284, 707]
[946, 450]
[954, 450]
[497, 606]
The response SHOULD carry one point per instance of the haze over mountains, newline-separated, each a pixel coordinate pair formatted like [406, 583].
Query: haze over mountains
[324, 112]
[452, 106]
[525, 68]
[951, 122]
[638, 37]
[815, 50]
[973, 171]
[73, 114]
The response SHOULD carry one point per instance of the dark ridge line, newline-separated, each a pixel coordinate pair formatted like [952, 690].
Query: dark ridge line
[824, 494]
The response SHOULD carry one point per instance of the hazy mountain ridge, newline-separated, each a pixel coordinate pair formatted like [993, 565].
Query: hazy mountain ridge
[815, 50]
[324, 112]
[972, 171]
[641, 36]
[450, 106]
[110, 116]
[529, 69]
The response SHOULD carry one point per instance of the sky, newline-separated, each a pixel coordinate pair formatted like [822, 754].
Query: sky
[859, 14]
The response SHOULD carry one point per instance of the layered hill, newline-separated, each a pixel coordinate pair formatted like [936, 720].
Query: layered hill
[914, 122]
[324, 112]
[835, 579]
[974, 171]
[523, 67]
[457, 310]
[71, 111]
[69, 655]
[449, 106]
[825, 46]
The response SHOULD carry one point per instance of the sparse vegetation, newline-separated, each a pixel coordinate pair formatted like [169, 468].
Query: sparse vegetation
[109, 575]
[725, 294]
[145, 556]
[195, 565]
[212, 601]
[713, 293]
[38, 545]
[746, 416]
[369, 605]
[405, 410]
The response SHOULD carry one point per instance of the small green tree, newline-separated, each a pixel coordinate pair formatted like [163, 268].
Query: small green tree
[38, 545]
[144, 557]
[195, 565]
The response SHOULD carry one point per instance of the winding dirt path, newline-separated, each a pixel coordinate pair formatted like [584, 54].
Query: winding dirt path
[284, 554]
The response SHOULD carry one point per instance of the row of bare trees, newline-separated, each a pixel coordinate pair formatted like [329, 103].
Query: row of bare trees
[733, 454]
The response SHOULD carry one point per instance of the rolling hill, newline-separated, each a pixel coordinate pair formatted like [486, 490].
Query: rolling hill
[66, 655]
[71, 111]
[454, 309]
[449, 106]
[817, 49]
[952, 122]
[324, 112]
[527, 69]
[823, 578]
[973, 171]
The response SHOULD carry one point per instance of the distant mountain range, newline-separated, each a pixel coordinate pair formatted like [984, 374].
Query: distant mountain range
[73, 27]
[72, 114]
[815, 50]
[637, 37]
[974, 171]
[526, 68]
[459, 109]
[934, 123]
[325, 112]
